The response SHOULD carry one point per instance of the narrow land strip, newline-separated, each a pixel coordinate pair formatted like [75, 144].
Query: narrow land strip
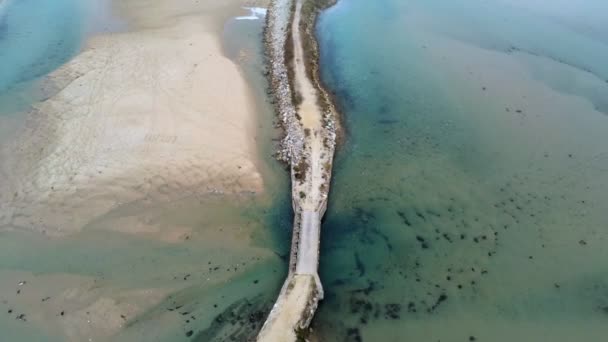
[311, 173]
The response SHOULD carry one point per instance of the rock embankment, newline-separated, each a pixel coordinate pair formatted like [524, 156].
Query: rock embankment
[278, 20]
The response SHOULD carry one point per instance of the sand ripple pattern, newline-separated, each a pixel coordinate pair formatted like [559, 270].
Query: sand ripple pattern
[153, 115]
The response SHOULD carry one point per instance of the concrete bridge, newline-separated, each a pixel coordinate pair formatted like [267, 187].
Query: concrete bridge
[302, 290]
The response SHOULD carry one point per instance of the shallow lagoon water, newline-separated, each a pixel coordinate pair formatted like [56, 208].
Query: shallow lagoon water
[470, 196]
[36, 37]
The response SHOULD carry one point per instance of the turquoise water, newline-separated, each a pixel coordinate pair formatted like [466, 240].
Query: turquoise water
[470, 196]
[36, 37]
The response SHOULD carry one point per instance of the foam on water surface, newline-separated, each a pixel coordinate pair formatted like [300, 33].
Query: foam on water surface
[255, 13]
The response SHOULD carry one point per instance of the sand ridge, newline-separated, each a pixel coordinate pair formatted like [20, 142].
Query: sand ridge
[151, 114]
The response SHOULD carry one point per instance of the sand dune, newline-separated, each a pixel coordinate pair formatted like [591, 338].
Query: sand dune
[154, 114]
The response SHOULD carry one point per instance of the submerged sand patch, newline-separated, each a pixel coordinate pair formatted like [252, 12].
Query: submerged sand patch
[75, 306]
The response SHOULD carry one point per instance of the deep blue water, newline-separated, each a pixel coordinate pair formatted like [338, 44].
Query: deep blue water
[470, 196]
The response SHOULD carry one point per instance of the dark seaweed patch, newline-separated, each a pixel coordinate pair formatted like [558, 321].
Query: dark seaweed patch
[404, 218]
[392, 310]
[240, 321]
[422, 241]
[359, 265]
[354, 335]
